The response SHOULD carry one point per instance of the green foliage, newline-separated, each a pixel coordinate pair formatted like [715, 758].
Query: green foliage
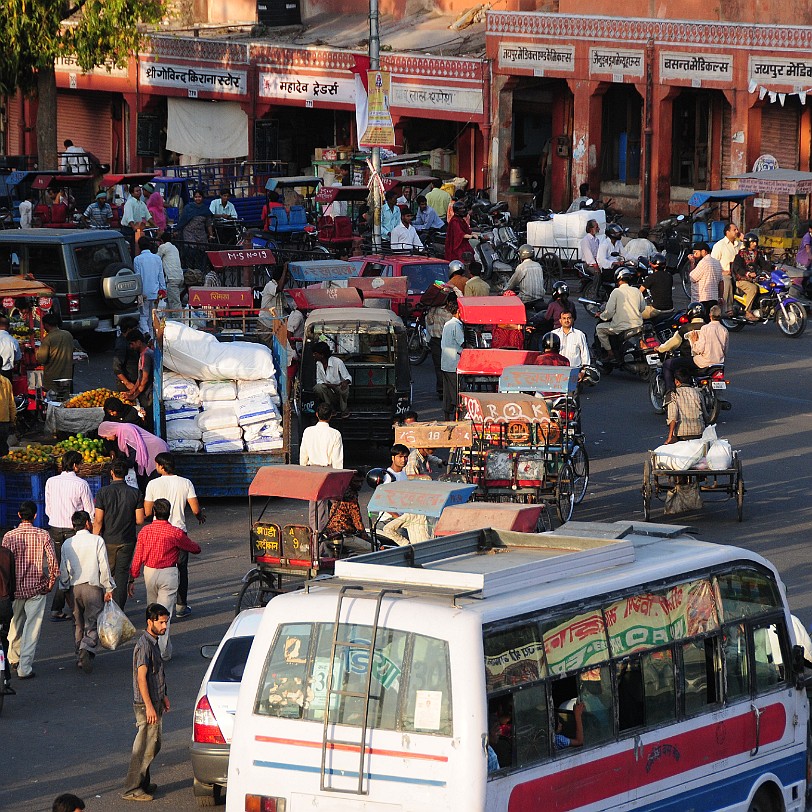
[95, 31]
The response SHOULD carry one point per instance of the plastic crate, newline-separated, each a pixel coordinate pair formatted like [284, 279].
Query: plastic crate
[20, 486]
[8, 513]
[97, 482]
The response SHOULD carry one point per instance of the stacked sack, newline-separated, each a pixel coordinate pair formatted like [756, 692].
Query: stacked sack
[181, 397]
[258, 415]
[218, 421]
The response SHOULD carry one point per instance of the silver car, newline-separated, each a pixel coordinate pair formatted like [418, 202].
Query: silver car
[216, 705]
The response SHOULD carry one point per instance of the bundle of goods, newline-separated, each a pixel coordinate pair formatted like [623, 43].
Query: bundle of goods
[708, 453]
[92, 399]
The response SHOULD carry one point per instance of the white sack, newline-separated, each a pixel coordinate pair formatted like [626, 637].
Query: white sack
[201, 356]
[177, 410]
[719, 455]
[217, 390]
[185, 445]
[182, 430]
[252, 389]
[219, 406]
[680, 456]
[264, 445]
[223, 446]
[213, 421]
[178, 388]
[255, 410]
[257, 431]
[227, 433]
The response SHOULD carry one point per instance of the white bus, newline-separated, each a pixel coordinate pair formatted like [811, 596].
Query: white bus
[603, 666]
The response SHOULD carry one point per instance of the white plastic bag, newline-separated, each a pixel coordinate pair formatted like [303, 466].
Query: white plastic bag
[114, 626]
[256, 431]
[214, 421]
[720, 455]
[709, 435]
[217, 390]
[264, 444]
[224, 434]
[679, 456]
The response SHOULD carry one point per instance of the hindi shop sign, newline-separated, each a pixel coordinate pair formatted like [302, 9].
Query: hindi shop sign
[539, 59]
[696, 68]
[185, 77]
[769, 70]
[616, 61]
[434, 97]
[306, 88]
[221, 297]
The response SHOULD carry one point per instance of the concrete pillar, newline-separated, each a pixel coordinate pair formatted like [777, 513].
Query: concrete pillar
[661, 121]
[129, 159]
[501, 131]
[745, 136]
[587, 127]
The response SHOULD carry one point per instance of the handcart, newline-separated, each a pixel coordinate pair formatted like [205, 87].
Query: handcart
[415, 496]
[285, 557]
[724, 484]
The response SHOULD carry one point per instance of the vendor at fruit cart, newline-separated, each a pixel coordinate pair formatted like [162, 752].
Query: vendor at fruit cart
[141, 391]
[55, 353]
[116, 411]
[134, 444]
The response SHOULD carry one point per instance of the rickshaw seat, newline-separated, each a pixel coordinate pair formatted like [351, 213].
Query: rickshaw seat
[283, 222]
[701, 231]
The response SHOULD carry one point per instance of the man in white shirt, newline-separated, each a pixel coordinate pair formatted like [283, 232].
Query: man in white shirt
[173, 270]
[136, 215]
[611, 252]
[589, 245]
[451, 345]
[27, 211]
[86, 571]
[726, 251]
[74, 159]
[404, 236]
[9, 349]
[179, 492]
[640, 246]
[332, 379]
[574, 346]
[623, 311]
[222, 207]
[321, 445]
[153, 284]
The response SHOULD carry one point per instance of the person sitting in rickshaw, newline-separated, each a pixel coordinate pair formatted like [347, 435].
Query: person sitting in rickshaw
[332, 379]
[345, 518]
[507, 336]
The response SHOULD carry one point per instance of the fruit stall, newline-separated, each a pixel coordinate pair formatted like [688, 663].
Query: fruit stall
[81, 413]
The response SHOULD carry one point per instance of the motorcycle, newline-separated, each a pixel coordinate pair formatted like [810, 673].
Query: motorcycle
[494, 269]
[708, 381]
[774, 302]
[597, 290]
[417, 337]
[629, 347]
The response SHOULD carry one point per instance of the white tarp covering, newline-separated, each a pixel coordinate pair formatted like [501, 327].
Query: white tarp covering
[206, 129]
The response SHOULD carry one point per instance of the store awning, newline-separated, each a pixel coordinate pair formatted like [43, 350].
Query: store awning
[718, 196]
[206, 129]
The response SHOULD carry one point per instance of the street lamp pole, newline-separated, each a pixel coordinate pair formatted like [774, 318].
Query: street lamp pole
[375, 64]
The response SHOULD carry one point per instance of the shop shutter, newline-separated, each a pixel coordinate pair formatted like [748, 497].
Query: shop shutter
[86, 119]
[726, 144]
[780, 128]
[13, 134]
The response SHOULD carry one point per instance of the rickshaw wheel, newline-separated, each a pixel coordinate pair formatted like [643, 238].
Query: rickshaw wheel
[739, 490]
[255, 592]
[553, 270]
[545, 521]
[646, 490]
[579, 460]
[565, 493]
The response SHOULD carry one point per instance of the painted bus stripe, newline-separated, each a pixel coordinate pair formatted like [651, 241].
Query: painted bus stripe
[667, 758]
[351, 748]
[302, 768]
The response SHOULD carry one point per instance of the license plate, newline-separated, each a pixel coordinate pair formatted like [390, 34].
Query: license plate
[653, 360]
[718, 385]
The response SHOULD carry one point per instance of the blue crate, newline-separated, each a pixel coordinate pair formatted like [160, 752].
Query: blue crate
[8, 513]
[19, 486]
[97, 482]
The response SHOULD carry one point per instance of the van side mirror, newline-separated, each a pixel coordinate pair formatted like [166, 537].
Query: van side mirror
[208, 651]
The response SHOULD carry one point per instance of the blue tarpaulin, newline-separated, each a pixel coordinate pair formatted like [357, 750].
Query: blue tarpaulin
[698, 199]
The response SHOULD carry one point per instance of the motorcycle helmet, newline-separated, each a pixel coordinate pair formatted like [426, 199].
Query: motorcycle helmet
[460, 208]
[695, 310]
[658, 262]
[377, 476]
[624, 273]
[455, 266]
[614, 231]
[751, 236]
[561, 290]
[591, 375]
[527, 252]
[551, 342]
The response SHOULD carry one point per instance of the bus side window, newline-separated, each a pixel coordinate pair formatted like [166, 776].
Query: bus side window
[282, 690]
[428, 697]
[737, 673]
[630, 697]
[659, 686]
[769, 644]
[595, 691]
[700, 675]
[531, 725]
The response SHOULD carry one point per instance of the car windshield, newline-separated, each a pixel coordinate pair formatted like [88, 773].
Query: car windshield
[422, 276]
[231, 660]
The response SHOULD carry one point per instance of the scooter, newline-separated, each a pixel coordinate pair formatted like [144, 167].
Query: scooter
[774, 302]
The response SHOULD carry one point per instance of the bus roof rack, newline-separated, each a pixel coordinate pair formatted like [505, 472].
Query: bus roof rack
[496, 562]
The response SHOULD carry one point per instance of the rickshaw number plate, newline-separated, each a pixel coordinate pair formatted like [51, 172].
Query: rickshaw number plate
[265, 538]
[296, 542]
[435, 435]
[653, 360]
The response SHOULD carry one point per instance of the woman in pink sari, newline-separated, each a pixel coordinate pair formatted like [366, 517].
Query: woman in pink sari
[155, 204]
[136, 445]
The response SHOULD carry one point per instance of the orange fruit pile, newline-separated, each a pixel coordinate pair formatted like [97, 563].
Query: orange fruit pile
[91, 399]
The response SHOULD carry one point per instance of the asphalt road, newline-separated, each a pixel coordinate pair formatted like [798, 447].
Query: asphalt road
[66, 731]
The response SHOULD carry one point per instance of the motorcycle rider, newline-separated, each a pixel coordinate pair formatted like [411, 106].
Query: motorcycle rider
[573, 344]
[560, 304]
[725, 250]
[551, 355]
[623, 311]
[659, 283]
[746, 267]
[611, 253]
[696, 315]
[528, 278]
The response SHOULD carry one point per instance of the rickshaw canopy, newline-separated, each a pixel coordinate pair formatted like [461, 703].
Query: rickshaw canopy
[419, 496]
[776, 182]
[292, 182]
[492, 310]
[321, 270]
[492, 362]
[500, 407]
[348, 194]
[17, 286]
[484, 515]
[138, 179]
[533, 378]
[698, 199]
[315, 298]
[353, 320]
[311, 482]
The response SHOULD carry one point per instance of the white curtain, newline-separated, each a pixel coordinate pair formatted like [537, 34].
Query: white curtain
[207, 129]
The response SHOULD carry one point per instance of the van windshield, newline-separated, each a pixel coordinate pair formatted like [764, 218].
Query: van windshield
[410, 685]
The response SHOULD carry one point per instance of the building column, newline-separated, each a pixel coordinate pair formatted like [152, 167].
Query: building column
[129, 159]
[662, 127]
[745, 137]
[587, 129]
[501, 132]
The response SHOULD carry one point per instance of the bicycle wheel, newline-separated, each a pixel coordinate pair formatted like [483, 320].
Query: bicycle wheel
[579, 460]
[553, 270]
[565, 493]
[255, 592]
[646, 490]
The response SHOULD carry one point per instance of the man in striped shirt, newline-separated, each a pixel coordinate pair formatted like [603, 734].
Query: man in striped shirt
[684, 416]
[30, 546]
[706, 277]
[64, 495]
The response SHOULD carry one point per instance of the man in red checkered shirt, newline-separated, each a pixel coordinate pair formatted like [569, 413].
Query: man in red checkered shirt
[30, 546]
[157, 551]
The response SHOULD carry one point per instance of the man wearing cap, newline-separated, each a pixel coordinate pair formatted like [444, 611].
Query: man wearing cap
[99, 213]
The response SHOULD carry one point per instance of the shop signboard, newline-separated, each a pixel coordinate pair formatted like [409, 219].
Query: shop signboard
[69, 64]
[769, 70]
[193, 79]
[437, 97]
[695, 68]
[380, 131]
[540, 59]
[618, 62]
[306, 87]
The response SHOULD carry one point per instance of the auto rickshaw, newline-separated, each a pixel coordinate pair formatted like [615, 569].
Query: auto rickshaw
[284, 557]
[372, 344]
